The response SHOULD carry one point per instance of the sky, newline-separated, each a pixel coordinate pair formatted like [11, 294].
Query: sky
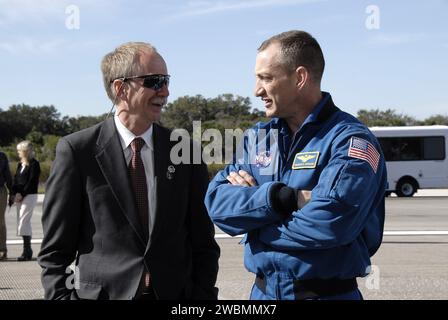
[379, 54]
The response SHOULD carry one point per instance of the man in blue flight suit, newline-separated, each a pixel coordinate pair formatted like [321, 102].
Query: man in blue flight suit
[309, 195]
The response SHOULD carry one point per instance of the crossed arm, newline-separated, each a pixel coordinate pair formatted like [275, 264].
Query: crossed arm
[244, 179]
[347, 196]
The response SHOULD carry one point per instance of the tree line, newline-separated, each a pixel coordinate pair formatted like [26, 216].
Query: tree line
[44, 125]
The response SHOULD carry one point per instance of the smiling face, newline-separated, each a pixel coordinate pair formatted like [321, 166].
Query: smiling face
[142, 106]
[145, 101]
[275, 85]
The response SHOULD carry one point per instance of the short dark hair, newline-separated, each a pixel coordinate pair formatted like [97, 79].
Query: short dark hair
[299, 48]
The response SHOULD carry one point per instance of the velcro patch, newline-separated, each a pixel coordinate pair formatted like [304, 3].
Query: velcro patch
[305, 160]
[364, 150]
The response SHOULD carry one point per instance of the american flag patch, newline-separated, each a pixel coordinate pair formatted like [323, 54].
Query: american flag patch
[364, 150]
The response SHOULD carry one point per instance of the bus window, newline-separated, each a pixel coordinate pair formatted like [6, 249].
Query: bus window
[410, 149]
[392, 148]
[434, 148]
[413, 148]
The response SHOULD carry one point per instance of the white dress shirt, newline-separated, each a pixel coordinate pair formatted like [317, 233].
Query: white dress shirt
[147, 154]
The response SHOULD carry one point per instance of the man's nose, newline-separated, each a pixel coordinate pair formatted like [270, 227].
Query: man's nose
[164, 91]
[258, 90]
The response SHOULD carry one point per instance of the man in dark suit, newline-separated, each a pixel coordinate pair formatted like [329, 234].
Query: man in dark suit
[133, 221]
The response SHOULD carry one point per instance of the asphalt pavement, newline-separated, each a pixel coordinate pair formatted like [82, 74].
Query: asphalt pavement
[412, 262]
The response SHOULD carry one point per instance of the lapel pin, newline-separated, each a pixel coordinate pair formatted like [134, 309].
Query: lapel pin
[170, 172]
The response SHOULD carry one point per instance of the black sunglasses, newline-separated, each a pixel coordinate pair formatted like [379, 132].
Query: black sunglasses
[150, 81]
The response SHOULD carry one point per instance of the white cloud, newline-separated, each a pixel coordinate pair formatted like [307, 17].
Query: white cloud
[200, 8]
[395, 39]
[27, 45]
[199, 3]
[44, 11]
[29, 11]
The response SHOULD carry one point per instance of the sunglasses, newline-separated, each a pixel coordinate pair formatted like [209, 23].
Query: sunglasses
[150, 81]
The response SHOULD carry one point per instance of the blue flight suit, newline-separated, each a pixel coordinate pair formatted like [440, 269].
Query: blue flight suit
[331, 237]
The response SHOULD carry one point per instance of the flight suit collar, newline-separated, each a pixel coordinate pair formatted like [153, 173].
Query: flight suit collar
[320, 113]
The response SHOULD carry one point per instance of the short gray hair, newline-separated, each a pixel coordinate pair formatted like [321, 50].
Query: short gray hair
[122, 62]
[299, 48]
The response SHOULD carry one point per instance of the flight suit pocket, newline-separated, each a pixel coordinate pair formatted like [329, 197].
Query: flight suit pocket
[88, 290]
[328, 179]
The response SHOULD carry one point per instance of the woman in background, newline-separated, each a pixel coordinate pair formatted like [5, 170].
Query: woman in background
[24, 188]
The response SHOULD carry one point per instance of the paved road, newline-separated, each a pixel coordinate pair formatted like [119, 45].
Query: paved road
[406, 267]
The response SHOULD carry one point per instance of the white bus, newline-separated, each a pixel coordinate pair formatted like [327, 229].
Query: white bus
[415, 157]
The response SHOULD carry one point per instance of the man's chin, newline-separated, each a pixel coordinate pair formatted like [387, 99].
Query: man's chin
[154, 114]
[270, 113]
[155, 118]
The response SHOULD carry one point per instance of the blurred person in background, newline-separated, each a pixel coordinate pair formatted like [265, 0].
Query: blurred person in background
[24, 189]
[5, 183]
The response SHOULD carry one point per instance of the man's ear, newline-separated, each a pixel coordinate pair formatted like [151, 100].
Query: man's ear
[119, 87]
[302, 76]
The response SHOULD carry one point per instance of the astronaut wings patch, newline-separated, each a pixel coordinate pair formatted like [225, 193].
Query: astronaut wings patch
[364, 150]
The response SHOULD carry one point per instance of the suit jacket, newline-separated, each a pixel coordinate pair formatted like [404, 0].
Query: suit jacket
[90, 215]
[26, 182]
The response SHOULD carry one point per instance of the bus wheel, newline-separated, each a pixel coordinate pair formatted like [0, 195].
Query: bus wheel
[406, 188]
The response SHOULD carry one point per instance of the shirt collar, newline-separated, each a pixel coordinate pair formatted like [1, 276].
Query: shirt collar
[127, 136]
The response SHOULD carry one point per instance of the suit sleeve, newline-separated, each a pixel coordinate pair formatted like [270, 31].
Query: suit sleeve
[348, 197]
[61, 221]
[206, 251]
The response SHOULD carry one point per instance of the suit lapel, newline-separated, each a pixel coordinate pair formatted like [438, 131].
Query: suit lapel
[161, 142]
[111, 161]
